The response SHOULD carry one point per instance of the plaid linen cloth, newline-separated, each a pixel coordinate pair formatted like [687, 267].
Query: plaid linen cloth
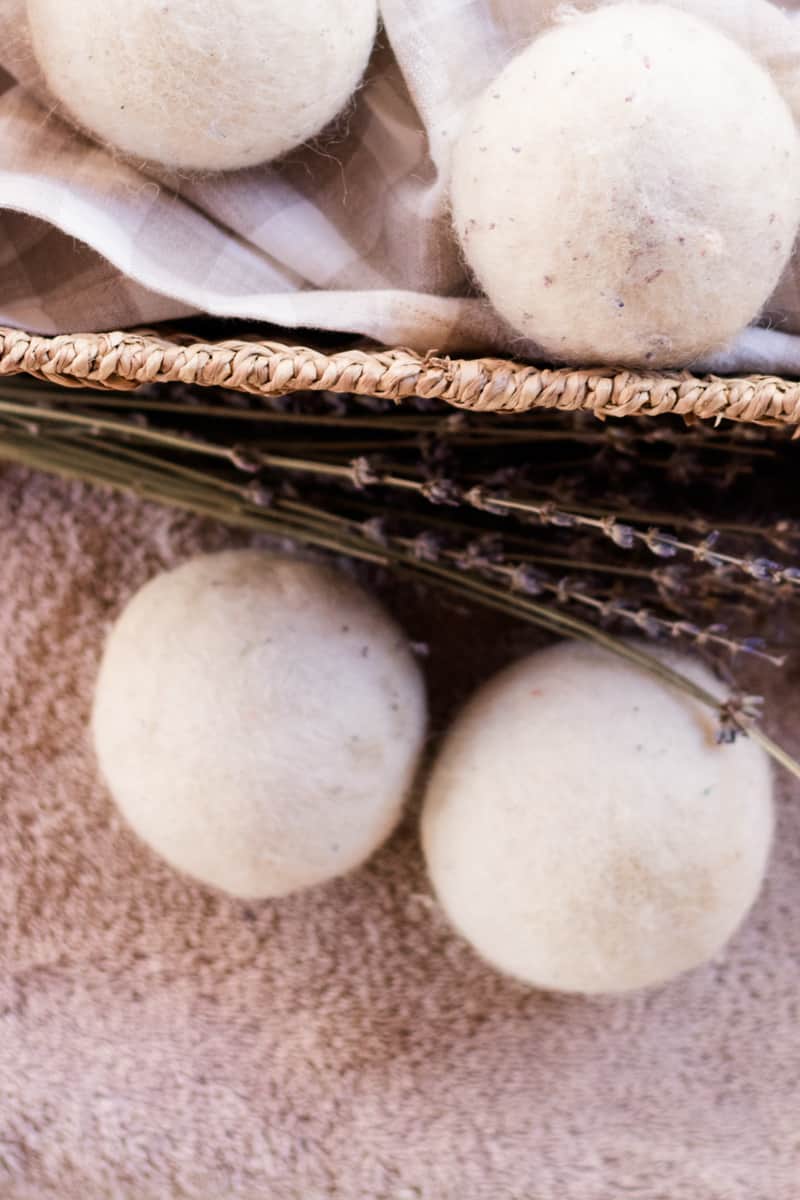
[350, 233]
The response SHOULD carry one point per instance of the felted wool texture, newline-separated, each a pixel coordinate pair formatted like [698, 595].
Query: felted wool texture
[762, 29]
[160, 1040]
[258, 720]
[759, 26]
[351, 232]
[585, 830]
[592, 207]
[203, 86]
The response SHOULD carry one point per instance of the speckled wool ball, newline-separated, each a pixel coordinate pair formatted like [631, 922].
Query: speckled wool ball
[628, 190]
[584, 830]
[202, 85]
[258, 720]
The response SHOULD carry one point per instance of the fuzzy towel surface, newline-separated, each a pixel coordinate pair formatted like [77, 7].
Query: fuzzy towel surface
[158, 1041]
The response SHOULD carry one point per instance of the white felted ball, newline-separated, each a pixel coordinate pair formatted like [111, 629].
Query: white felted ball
[628, 190]
[258, 720]
[584, 830]
[200, 84]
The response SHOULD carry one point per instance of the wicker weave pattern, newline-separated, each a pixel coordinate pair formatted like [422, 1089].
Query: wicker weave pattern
[124, 361]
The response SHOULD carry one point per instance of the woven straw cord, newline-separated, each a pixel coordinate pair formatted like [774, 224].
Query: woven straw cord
[123, 361]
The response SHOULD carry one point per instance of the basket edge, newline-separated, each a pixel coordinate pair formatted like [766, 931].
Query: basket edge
[127, 360]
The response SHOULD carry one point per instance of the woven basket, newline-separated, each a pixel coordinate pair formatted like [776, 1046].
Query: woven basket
[125, 361]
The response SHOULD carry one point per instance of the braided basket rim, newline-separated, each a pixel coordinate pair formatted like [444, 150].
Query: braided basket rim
[126, 360]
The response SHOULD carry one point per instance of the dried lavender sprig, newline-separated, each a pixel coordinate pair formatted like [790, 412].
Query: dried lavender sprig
[736, 715]
[515, 575]
[513, 485]
[694, 522]
[517, 479]
[486, 556]
[97, 467]
[565, 590]
[442, 490]
[363, 473]
[670, 579]
[456, 430]
[758, 567]
[35, 450]
[91, 428]
[569, 589]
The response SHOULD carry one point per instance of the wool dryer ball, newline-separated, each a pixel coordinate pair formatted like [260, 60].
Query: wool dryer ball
[628, 190]
[200, 84]
[585, 831]
[258, 721]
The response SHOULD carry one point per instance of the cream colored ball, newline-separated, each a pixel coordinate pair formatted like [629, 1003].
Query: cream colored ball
[258, 721]
[585, 831]
[628, 190]
[200, 84]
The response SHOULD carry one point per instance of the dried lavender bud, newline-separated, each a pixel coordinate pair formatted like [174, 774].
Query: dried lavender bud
[703, 552]
[691, 631]
[566, 589]
[621, 535]
[562, 520]
[375, 530]
[764, 568]
[479, 553]
[757, 646]
[364, 474]
[647, 623]
[470, 559]
[673, 579]
[663, 545]
[442, 491]
[259, 494]
[427, 547]
[737, 715]
[526, 580]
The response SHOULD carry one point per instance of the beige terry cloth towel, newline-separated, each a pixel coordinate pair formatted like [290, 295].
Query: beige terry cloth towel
[159, 1041]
